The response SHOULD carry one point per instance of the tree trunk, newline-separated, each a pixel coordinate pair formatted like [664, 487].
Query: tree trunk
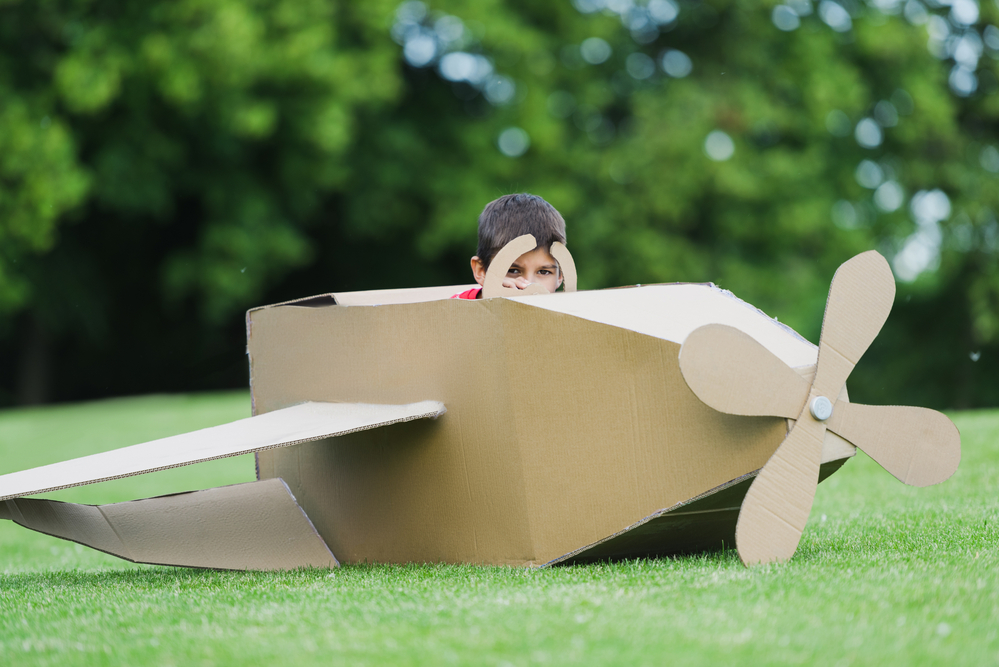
[33, 365]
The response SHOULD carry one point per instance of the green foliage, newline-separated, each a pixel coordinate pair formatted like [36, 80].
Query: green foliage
[40, 180]
[238, 109]
[885, 573]
[222, 153]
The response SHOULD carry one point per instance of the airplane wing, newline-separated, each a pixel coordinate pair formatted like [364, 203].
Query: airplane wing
[280, 428]
[252, 526]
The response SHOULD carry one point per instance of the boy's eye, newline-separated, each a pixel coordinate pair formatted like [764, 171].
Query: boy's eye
[513, 272]
[545, 272]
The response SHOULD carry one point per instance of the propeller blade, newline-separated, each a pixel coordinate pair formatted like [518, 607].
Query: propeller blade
[918, 446]
[731, 372]
[778, 503]
[860, 299]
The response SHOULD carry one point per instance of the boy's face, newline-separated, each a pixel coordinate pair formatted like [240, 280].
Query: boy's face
[537, 266]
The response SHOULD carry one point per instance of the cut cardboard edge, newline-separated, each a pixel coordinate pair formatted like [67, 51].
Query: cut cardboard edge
[492, 286]
[673, 311]
[730, 371]
[730, 496]
[918, 446]
[778, 503]
[251, 526]
[381, 297]
[280, 428]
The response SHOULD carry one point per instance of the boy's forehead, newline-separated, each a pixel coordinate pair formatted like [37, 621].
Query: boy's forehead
[537, 256]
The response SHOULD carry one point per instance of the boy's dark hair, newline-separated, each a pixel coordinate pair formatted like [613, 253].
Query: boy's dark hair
[510, 216]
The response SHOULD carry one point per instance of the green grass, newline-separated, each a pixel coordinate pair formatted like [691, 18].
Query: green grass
[884, 574]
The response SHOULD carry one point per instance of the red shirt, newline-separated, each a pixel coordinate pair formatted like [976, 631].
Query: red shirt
[469, 294]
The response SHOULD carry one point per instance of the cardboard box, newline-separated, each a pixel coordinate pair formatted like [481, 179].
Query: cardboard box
[568, 423]
[527, 430]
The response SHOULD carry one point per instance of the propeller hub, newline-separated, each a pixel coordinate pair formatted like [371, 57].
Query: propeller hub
[821, 408]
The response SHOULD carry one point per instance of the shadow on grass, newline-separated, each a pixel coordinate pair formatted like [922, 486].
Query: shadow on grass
[362, 574]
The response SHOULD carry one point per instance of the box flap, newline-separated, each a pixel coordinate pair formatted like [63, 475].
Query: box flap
[378, 297]
[280, 428]
[253, 526]
[543, 408]
[678, 309]
[395, 296]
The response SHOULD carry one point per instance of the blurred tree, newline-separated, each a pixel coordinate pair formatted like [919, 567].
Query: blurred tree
[188, 145]
[203, 156]
[756, 145]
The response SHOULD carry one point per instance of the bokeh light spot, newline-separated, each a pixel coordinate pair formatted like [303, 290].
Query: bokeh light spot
[930, 206]
[639, 65]
[869, 174]
[921, 250]
[500, 90]
[420, 49]
[844, 215]
[887, 6]
[989, 159]
[963, 12]
[619, 7]
[449, 29]
[991, 37]
[458, 66]
[719, 146]
[785, 18]
[834, 16]
[915, 12]
[962, 81]
[889, 196]
[663, 12]
[595, 50]
[676, 64]
[800, 7]
[513, 142]
[588, 6]
[868, 133]
[886, 114]
[968, 49]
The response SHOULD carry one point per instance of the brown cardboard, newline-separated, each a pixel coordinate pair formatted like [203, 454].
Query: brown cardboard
[500, 265]
[292, 425]
[705, 523]
[568, 420]
[254, 526]
[567, 266]
[920, 447]
[570, 433]
[916, 445]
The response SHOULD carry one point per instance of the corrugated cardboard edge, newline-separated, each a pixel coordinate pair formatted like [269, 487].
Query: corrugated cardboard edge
[435, 410]
[310, 317]
[690, 505]
[251, 526]
[373, 297]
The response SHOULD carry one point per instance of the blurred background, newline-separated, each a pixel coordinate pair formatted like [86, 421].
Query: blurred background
[167, 164]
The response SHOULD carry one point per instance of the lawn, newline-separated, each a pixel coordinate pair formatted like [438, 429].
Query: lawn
[884, 574]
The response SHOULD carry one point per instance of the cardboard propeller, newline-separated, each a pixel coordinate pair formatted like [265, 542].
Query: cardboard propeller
[493, 284]
[732, 373]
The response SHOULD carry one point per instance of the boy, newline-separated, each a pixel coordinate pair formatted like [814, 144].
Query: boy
[503, 220]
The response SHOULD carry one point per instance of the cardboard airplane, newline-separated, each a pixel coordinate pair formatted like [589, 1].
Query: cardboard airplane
[522, 428]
